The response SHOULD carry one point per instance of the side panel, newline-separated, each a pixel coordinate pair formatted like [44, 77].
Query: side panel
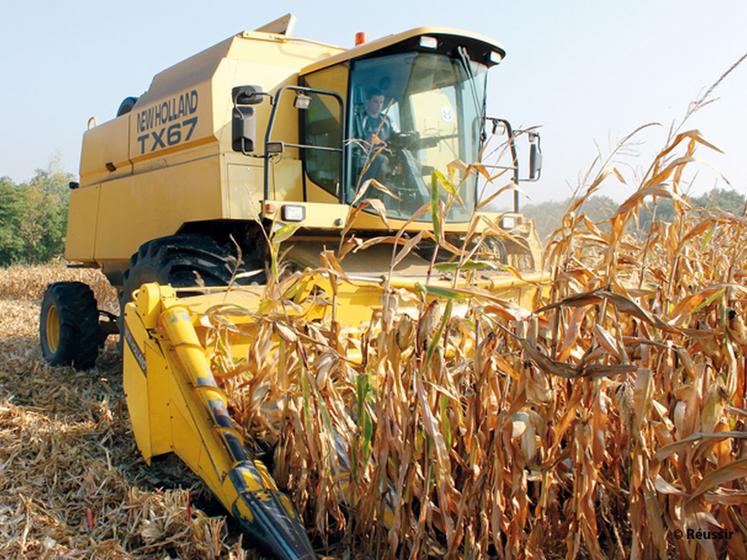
[188, 419]
[244, 191]
[136, 209]
[81, 223]
[286, 180]
[105, 144]
[135, 380]
[159, 416]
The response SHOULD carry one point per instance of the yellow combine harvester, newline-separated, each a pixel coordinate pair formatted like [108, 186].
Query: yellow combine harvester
[259, 132]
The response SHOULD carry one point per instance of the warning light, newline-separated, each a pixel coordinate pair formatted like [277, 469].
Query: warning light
[360, 38]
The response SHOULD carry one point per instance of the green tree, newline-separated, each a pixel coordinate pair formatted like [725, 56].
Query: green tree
[548, 215]
[45, 228]
[727, 200]
[664, 212]
[12, 210]
[33, 217]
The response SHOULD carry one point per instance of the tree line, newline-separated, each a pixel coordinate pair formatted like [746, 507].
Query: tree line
[547, 215]
[33, 217]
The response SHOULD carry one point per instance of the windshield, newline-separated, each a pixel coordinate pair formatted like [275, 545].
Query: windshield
[413, 114]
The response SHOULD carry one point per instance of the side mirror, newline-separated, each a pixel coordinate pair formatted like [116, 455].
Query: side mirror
[244, 122]
[535, 157]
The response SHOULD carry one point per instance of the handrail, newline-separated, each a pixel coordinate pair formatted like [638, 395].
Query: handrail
[271, 124]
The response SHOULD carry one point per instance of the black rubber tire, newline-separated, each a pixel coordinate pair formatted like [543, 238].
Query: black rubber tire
[182, 260]
[77, 317]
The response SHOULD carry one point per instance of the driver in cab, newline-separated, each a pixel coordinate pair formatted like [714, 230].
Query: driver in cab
[373, 128]
[371, 125]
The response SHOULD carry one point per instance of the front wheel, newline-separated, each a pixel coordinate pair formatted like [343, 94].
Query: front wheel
[69, 325]
[184, 260]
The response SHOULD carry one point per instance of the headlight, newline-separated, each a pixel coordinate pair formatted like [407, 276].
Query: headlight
[292, 213]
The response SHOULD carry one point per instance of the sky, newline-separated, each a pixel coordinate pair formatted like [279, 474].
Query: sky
[587, 72]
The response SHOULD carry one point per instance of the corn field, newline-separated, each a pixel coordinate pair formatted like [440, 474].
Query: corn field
[608, 421]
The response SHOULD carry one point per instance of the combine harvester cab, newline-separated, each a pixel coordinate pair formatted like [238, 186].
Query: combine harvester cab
[267, 140]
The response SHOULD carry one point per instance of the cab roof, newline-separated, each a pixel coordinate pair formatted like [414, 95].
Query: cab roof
[478, 46]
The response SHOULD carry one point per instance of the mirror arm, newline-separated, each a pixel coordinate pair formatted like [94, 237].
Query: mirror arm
[514, 157]
[535, 153]
[512, 148]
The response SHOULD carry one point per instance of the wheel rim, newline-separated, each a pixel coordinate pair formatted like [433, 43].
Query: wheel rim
[53, 328]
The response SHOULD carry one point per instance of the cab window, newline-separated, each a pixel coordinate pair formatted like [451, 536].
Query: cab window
[322, 127]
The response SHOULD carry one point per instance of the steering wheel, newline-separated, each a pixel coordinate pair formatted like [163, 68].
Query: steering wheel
[412, 140]
[406, 173]
[403, 140]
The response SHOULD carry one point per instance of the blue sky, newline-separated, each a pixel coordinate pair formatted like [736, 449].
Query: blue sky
[587, 72]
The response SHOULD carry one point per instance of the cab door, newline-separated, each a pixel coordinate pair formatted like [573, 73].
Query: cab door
[322, 127]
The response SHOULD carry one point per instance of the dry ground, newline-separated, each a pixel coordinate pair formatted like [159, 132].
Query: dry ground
[72, 483]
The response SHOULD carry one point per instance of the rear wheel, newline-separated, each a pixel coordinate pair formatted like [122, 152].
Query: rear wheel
[184, 260]
[69, 325]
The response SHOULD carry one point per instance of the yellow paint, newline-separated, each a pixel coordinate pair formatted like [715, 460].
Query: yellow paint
[253, 484]
[244, 511]
[131, 209]
[287, 505]
[244, 194]
[81, 224]
[114, 212]
[53, 328]
[159, 389]
[148, 304]
[135, 383]
[286, 179]
[267, 480]
[105, 144]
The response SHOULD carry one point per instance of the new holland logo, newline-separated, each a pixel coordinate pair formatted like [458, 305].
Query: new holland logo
[154, 131]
